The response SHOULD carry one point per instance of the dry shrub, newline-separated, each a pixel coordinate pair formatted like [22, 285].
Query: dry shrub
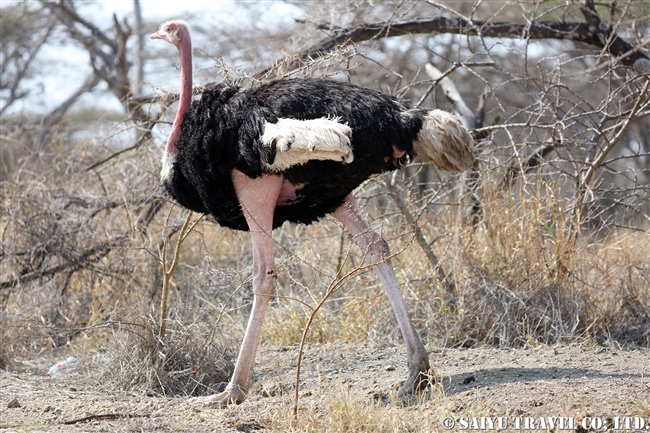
[616, 276]
[187, 362]
[61, 229]
[79, 249]
[516, 285]
[510, 292]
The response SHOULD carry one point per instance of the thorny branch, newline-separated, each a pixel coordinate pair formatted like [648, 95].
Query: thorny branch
[585, 180]
[419, 236]
[596, 35]
[335, 284]
[605, 37]
[472, 122]
[83, 259]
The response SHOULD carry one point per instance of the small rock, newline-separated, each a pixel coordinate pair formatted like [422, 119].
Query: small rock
[468, 380]
[389, 368]
[14, 404]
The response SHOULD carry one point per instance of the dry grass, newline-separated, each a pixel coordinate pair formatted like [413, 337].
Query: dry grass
[342, 408]
[509, 290]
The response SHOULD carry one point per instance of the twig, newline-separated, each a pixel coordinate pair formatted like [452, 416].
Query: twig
[534, 160]
[148, 125]
[472, 122]
[91, 255]
[333, 287]
[169, 272]
[102, 416]
[607, 38]
[419, 236]
[469, 119]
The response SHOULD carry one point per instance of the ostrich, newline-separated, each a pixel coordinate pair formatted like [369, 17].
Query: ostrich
[294, 150]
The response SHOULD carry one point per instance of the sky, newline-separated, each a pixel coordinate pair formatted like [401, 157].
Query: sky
[69, 65]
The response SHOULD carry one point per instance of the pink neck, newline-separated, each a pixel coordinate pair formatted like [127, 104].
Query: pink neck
[185, 96]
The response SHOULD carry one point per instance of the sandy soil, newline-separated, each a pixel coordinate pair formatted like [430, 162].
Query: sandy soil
[570, 381]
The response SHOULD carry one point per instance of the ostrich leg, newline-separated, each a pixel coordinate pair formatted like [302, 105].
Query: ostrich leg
[257, 198]
[374, 248]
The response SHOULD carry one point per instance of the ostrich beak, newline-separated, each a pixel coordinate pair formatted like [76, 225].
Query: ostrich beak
[157, 35]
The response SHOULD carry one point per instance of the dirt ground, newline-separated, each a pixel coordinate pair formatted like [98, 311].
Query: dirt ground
[571, 381]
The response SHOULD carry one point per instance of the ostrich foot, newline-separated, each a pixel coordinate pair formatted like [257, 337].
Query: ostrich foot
[300, 141]
[416, 383]
[420, 378]
[221, 400]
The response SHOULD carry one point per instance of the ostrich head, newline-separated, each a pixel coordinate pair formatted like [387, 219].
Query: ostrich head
[173, 32]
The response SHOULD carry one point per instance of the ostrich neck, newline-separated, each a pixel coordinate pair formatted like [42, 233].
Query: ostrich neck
[185, 96]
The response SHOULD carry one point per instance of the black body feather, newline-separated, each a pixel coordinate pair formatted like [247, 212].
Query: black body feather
[222, 131]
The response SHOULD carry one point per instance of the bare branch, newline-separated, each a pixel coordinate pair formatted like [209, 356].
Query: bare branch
[139, 54]
[604, 37]
[573, 31]
[467, 116]
[18, 56]
[419, 236]
[57, 114]
[89, 256]
[533, 161]
[471, 122]
[596, 164]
